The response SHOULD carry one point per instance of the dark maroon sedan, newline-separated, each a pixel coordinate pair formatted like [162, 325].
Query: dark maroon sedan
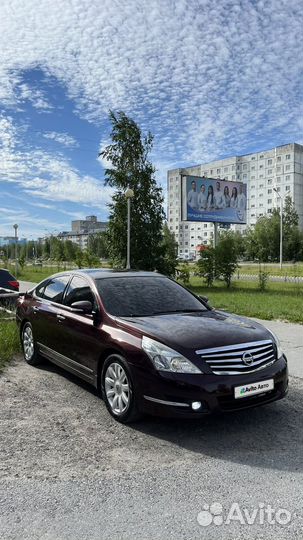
[150, 345]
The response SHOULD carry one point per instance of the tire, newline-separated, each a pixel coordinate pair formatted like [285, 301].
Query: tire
[118, 390]
[29, 347]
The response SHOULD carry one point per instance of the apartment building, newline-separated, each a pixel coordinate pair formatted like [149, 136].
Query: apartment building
[81, 229]
[280, 168]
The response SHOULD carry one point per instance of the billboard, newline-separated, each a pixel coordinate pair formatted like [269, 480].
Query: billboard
[214, 200]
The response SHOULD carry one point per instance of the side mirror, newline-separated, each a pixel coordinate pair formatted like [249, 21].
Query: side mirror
[84, 306]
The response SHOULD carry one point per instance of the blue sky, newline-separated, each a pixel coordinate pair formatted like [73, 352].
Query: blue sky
[209, 79]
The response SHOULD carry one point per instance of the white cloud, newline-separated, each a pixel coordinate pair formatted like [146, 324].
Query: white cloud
[210, 76]
[62, 138]
[47, 176]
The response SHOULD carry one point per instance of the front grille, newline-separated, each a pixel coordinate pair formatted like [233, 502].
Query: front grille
[230, 360]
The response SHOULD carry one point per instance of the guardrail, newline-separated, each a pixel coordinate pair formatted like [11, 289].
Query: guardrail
[8, 302]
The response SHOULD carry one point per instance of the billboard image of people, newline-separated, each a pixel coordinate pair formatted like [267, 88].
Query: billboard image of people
[214, 200]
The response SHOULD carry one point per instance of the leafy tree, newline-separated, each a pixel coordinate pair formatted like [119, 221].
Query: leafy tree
[98, 245]
[168, 262]
[69, 250]
[183, 273]
[131, 168]
[206, 265]
[226, 257]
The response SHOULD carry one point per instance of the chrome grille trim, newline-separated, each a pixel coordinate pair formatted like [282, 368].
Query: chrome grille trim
[228, 360]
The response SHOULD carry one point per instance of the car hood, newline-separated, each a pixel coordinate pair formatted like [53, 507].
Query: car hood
[192, 331]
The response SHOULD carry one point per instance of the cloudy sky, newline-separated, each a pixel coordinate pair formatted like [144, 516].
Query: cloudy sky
[209, 79]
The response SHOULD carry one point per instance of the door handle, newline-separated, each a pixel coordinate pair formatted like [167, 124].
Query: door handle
[35, 309]
[60, 317]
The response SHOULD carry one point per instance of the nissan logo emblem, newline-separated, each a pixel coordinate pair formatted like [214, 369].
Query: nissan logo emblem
[247, 359]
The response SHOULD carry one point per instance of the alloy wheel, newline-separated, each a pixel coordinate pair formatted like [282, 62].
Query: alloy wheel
[28, 343]
[117, 388]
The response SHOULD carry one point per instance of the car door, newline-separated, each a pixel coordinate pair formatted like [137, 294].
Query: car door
[45, 309]
[79, 340]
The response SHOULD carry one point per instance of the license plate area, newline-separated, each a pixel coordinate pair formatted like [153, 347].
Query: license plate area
[253, 389]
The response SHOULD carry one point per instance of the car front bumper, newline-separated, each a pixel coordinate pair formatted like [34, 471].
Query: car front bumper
[172, 394]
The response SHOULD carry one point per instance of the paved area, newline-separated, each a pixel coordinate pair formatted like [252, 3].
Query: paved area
[291, 337]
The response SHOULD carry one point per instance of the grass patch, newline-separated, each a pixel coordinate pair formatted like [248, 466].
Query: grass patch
[280, 301]
[9, 340]
[288, 269]
[36, 273]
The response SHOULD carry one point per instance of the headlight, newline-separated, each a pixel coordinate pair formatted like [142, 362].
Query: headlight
[277, 341]
[166, 359]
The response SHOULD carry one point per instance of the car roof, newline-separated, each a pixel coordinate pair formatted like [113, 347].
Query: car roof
[100, 273]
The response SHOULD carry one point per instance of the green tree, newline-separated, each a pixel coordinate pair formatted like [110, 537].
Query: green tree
[69, 250]
[131, 168]
[168, 262]
[206, 265]
[98, 245]
[226, 257]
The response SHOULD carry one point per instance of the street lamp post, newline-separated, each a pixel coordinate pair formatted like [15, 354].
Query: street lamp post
[16, 248]
[129, 195]
[281, 226]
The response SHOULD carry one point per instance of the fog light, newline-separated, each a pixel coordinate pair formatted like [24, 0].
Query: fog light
[196, 405]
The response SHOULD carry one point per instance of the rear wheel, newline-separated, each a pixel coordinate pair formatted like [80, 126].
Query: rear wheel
[118, 389]
[30, 352]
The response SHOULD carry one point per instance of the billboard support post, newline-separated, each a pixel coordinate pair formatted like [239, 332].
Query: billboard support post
[215, 234]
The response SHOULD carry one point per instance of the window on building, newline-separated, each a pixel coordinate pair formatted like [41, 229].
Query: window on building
[205, 234]
[287, 156]
[244, 166]
[253, 157]
[287, 178]
[278, 158]
[269, 191]
[261, 156]
[269, 162]
[252, 196]
[278, 178]
[218, 171]
[269, 201]
[260, 194]
[244, 176]
[269, 181]
[260, 166]
[211, 171]
[253, 206]
[253, 168]
[233, 177]
[261, 185]
[287, 188]
[269, 171]
[261, 204]
[225, 169]
[233, 167]
[287, 167]
[260, 175]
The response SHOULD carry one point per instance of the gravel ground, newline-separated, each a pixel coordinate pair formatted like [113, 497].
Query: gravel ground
[70, 472]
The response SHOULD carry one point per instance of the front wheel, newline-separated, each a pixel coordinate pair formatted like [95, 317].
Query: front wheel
[118, 390]
[29, 347]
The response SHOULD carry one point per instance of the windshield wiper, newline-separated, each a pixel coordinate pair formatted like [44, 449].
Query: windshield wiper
[178, 311]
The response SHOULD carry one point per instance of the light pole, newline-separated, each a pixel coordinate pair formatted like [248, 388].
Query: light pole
[129, 195]
[281, 226]
[16, 248]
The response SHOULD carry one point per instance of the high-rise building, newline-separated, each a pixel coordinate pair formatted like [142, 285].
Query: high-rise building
[280, 168]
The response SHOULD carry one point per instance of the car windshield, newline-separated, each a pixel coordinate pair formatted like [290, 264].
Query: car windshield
[145, 296]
